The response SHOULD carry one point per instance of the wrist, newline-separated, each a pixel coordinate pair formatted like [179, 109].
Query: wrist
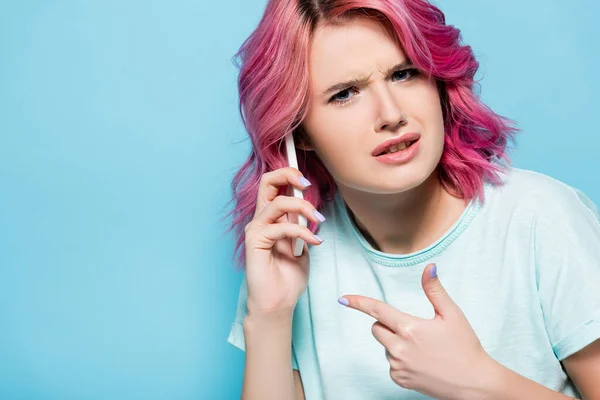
[487, 381]
[273, 311]
[274, 319]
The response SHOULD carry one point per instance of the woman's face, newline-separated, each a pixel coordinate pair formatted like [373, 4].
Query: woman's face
[347, 124]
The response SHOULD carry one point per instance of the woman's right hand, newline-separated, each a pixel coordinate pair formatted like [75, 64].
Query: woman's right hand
[275, 277]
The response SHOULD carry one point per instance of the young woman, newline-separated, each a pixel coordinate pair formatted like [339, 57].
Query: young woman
[462, 277]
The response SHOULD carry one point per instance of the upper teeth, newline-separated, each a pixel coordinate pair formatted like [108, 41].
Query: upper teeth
[397, 147]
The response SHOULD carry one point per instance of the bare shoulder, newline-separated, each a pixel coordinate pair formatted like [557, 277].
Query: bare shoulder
[299, 389]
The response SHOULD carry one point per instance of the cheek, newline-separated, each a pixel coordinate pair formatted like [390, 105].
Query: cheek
[338, 130]
[435, 134]
[430, 116]
[425, 106]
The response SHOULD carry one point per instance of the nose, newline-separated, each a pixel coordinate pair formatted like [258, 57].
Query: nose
[390, 115]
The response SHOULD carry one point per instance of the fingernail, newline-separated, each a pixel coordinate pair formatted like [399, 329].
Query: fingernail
[318, 238]
[343, 301]
[319, 216]
[433, 271]
[303, 181]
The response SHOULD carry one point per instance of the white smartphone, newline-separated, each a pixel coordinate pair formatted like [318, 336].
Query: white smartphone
[297, 243]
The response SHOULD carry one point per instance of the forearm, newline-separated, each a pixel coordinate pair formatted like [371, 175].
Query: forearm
[268, 369]
[502, 383]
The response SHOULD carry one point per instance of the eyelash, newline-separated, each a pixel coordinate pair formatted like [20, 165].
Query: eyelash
[413, 73]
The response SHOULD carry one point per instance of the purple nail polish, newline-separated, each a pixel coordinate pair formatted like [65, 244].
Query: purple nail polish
[319, 216]
[343, 301]
[303, 181]
[433, 271]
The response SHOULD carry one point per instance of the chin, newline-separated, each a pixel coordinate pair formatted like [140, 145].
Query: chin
[403, 178]
[395, 186]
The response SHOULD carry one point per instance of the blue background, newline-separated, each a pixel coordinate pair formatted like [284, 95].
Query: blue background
[119, 136]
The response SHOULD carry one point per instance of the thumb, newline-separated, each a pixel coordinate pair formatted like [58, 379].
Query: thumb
[435, 292]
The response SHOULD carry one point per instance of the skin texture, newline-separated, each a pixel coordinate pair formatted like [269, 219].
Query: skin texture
[388, 106]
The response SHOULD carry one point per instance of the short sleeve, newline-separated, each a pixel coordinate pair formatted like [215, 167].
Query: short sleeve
[567, 251]
[236, 334]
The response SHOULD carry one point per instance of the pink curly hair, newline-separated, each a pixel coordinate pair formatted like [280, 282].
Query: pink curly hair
[276, 53]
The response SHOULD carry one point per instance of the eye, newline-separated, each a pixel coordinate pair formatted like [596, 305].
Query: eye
[342, 97]
[412, 73]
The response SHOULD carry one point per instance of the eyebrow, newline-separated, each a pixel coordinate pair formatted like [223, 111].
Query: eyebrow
[361, 81]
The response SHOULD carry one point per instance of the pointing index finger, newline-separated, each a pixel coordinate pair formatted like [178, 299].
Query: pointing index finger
[383, 312]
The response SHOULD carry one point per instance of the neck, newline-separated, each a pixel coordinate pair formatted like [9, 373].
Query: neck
[403, 223]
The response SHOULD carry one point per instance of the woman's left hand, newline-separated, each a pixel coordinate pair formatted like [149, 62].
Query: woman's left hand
[440, 357]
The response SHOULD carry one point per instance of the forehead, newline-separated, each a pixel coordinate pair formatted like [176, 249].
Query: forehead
[357, 47]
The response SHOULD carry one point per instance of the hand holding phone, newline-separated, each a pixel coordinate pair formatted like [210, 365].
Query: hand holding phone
[297, 243]
[275, 281]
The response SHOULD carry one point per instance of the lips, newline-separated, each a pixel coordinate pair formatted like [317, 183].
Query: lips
[383, 147]
[400, 157]
[399, 147]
